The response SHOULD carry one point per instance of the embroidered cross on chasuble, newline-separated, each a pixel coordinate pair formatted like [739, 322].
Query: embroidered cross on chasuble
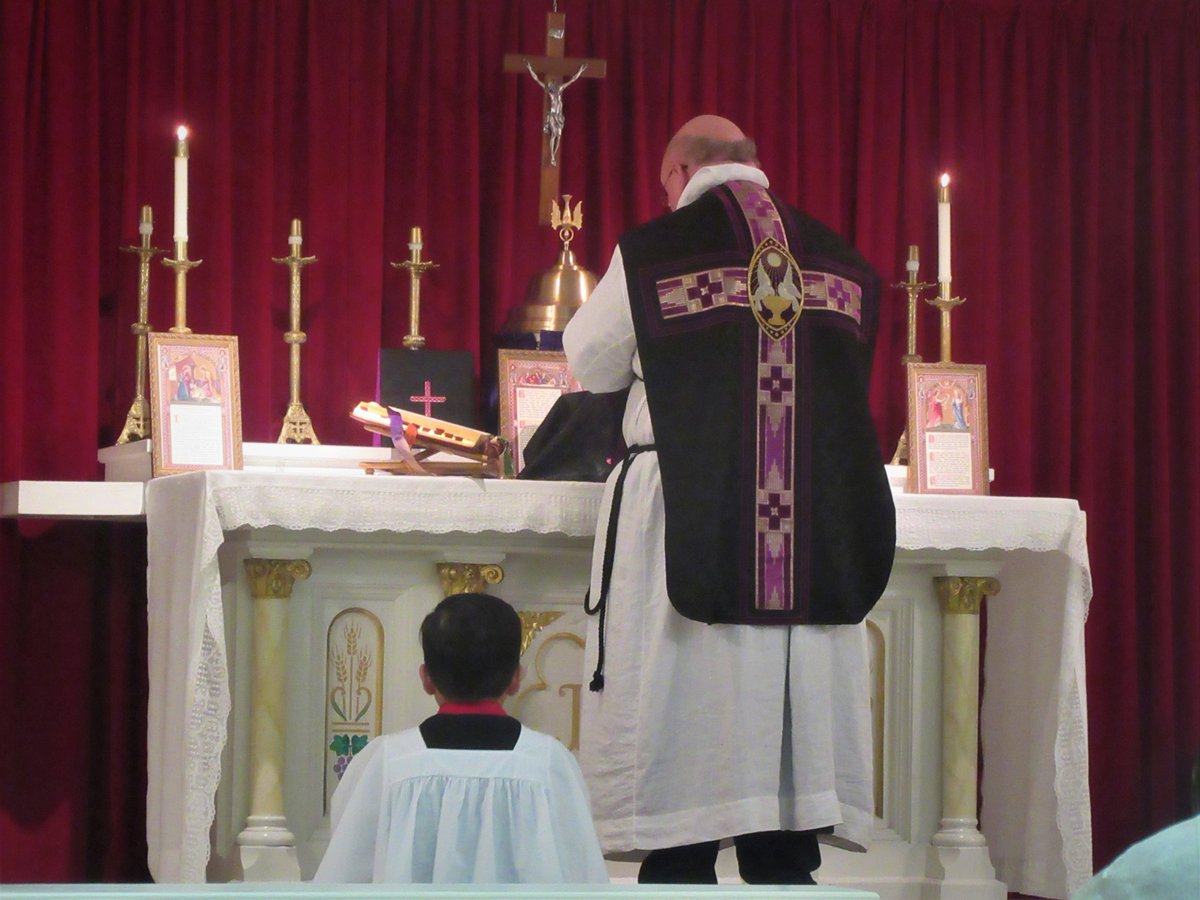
[756, 348]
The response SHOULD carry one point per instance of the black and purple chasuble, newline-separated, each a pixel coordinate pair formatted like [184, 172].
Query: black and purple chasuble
[755, 326]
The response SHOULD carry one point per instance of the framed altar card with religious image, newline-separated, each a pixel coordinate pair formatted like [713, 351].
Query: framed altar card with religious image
[947, 429]
[195, 403]
[530, 382]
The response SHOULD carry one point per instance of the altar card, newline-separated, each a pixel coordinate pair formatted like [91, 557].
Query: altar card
[947, 429]
[530, 381]
[437, 383]
[195, 403]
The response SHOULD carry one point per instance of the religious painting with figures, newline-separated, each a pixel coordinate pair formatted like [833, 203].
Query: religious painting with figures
[195, 402]
[437, 383]
[948, 429]
[530, 382]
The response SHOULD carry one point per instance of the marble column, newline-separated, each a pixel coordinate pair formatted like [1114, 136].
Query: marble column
[961, 599]
[267, 845]
[959, 849]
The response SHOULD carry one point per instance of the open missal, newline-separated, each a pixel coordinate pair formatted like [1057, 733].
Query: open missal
[417, 438]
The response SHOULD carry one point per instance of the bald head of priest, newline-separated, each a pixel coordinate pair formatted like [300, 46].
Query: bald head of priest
[703, 141]
[745, 534]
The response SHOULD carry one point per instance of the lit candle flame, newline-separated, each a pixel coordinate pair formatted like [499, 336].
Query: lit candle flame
[181, 132]
[945, 179]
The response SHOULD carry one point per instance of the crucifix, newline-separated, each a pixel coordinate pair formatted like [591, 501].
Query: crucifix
[558, 72]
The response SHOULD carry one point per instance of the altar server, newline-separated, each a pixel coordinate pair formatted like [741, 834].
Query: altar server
[470, 795]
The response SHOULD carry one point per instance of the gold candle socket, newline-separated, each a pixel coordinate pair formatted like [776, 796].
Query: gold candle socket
[944, 302]
[181, 264]
[137, 421]
[416, 268]
[297, 426]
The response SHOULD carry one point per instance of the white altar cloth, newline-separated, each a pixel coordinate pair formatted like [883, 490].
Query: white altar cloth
[1036, 808]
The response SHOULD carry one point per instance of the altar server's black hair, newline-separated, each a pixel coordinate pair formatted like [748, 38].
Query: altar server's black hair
[472, 645]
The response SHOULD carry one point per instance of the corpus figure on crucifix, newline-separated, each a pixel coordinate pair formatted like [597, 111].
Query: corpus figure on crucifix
[554, 73]
[555, 117]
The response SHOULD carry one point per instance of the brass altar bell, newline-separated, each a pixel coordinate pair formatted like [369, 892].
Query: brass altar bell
[554, 294]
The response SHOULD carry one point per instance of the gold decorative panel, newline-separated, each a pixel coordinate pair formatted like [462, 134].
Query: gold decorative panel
[552, 675]
[353, 689]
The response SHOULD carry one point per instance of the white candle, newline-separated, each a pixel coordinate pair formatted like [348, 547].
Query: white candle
[944, 229]
[181, 184]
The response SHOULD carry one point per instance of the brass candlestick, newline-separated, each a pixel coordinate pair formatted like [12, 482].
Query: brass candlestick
[181, 264]
[416, 268]
[137, 421]
[297, 426]
[914, 289]
[944, 302]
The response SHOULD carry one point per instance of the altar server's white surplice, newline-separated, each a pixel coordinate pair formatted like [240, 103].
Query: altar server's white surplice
[410, 814]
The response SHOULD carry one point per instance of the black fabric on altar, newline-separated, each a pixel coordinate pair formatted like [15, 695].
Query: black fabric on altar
[579, 440]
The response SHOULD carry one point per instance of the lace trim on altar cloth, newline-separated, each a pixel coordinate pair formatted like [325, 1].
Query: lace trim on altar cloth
[208, 714]
[445, 508]
[1043, 531]
[1071, 787]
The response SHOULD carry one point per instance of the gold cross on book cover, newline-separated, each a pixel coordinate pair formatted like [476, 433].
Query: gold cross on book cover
[416, 438]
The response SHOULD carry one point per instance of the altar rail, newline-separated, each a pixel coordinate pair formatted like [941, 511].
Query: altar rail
[417, 892]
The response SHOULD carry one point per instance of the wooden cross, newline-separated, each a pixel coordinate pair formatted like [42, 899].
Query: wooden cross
[553, 68]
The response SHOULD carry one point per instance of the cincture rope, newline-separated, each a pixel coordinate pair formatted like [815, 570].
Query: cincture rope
[610, 540]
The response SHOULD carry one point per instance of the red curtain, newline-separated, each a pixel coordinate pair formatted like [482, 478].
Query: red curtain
[1071, 130]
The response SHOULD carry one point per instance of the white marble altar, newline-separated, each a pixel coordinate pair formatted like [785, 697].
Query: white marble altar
[372, 542]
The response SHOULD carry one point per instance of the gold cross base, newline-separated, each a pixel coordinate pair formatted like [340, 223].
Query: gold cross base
[900, 457]
[297, 427]
[137, 422]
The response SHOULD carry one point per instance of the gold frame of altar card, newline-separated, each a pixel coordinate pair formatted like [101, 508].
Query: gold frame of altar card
[195, 402]
[529, 383]
[947, 429]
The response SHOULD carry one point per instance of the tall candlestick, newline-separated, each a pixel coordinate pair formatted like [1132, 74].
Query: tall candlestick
[913, 289]
[297, 426]
[944, 229]
[138, 421]
[416, 268]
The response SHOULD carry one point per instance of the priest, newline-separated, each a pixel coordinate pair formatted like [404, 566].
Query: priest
[745, 535]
